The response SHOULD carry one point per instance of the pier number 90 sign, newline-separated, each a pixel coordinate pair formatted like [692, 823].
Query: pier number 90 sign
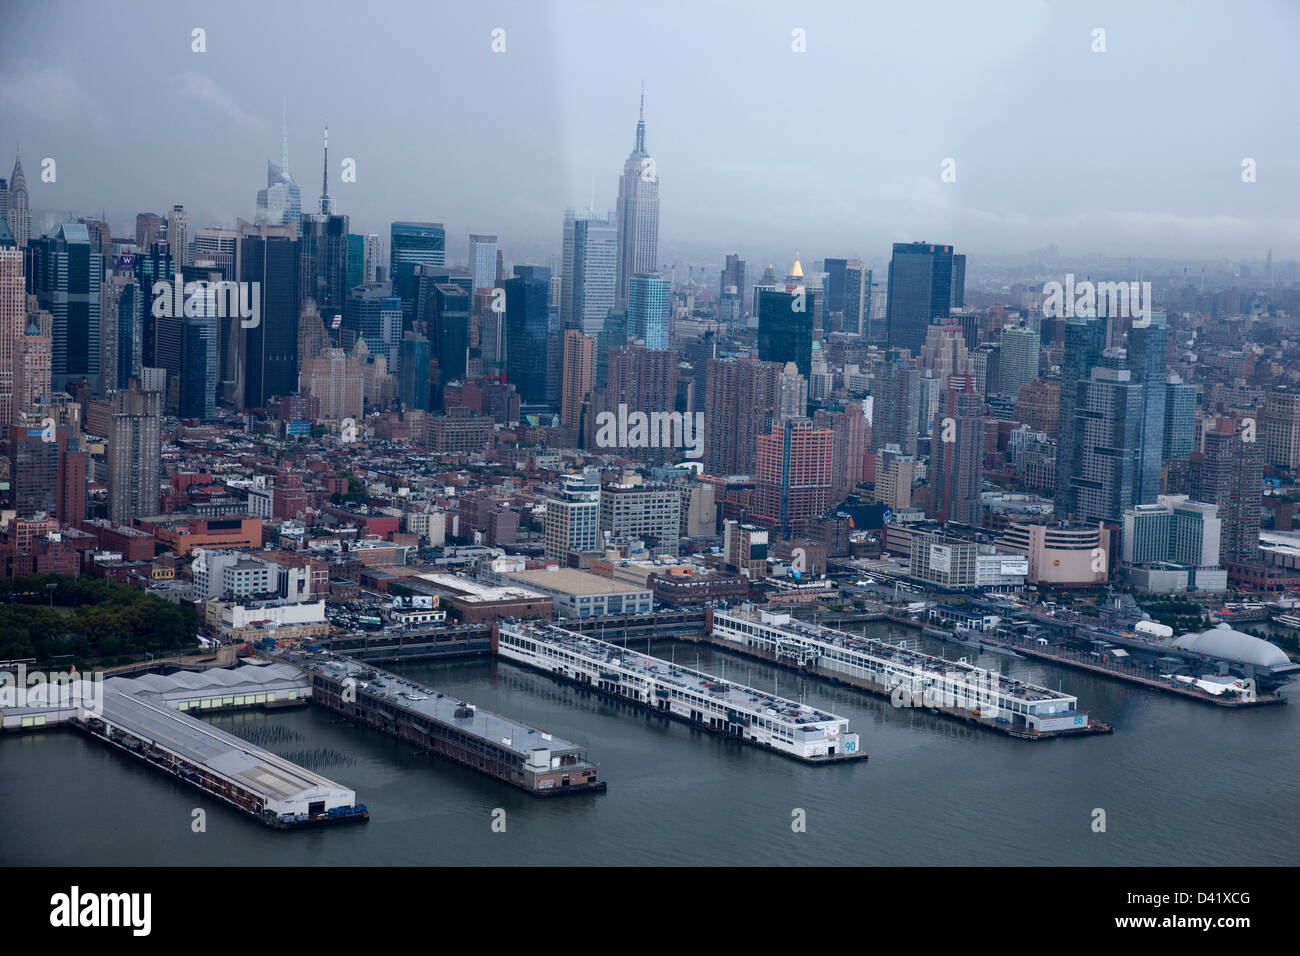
[850, 746]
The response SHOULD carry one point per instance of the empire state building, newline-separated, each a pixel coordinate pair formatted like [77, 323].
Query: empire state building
[638, 213]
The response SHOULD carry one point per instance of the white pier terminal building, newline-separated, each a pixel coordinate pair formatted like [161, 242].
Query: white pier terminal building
[722, 706]
[955, 687]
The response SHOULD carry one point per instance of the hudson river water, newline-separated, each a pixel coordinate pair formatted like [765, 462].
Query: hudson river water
[1181, 783]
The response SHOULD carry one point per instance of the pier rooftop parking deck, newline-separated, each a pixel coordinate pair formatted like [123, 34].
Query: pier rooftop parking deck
[146, 717]
[788, 726]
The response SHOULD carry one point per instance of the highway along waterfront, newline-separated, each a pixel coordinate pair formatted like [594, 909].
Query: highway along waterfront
[1179, 784]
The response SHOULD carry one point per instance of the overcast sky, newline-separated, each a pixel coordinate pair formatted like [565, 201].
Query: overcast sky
[836, 151]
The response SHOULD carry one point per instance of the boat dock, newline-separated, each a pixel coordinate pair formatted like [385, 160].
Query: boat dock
[702, 700]
[523, 756]
[908, 678]
[148, 718]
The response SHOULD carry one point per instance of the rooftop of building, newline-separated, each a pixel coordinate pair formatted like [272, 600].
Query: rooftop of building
[573, 581]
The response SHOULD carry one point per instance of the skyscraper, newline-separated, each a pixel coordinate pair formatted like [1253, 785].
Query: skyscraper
[793, 475]
[1146, 350]
[579, 376]
[270, 352]
[374, 313]
[857, 299]
[1107, 434]
[121, 308]
[411, 244]
[740, 405]
[1085, 339]
[133, 454]
[323, 262]
[527, 304]
[649, 303]
[413, 372]
[920, 290]
[200, 343]
[638, 213]
[280, 203]
[785, 327]
[149, 228]
[1018, 360]
[65, 279]
[588, 289]
[48, 476]
[18, 211]
[449, 331]
[850, 430]
[896, 405]
[483, 261]
[833, 293]
[733, 277]
[645, 380]
[957, 453]
[1180, 419]
[13, 322]
[1232, 477]
[178, 235]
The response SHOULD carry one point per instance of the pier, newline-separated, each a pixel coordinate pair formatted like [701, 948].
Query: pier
[525, 757]
[702, 700]
[148, 718]
[908, 678]
[1122, 670]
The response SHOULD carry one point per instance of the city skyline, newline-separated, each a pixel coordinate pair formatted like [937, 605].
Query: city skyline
[757, 172]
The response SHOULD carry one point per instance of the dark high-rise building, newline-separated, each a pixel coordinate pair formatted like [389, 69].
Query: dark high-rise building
[153, 263]
[1085, 340]
[920, 290]
[121, 308]
[270, 347]
[355, 274]
[449, 330]
[200, 342]
[957, 298]
[323, 262]
[733, 277]
[64, 276]
[785, 328]
[1147, 347]
[613, 335]
[527, 332]
[373, 313]
[412, 244]
[833, 293]
[413, 371]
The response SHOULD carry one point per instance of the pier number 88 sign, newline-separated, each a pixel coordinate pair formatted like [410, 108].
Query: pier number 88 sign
[1078, 718]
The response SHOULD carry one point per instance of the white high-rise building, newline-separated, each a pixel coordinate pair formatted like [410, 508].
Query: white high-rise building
[178, 235]
[638, 214]
[483, 261]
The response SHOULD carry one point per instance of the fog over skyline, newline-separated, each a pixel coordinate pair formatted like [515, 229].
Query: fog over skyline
[836, 151]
